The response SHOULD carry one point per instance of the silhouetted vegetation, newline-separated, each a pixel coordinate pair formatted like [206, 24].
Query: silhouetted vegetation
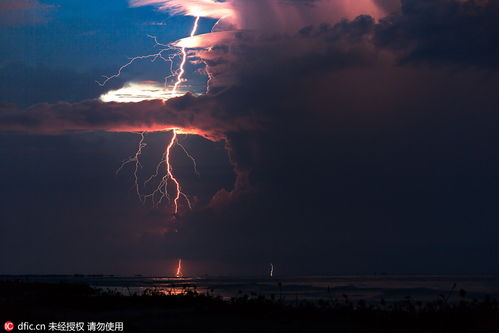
[155, 310]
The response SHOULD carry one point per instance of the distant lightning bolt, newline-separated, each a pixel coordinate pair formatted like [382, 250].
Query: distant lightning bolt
[179, 269]
[271, 269]
[135, 159]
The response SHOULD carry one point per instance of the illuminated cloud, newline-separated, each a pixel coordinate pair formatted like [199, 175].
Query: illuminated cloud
[269, 16]
[246, 24]
[189, 114]
[137, 92]
[204, 8]
[206, 41]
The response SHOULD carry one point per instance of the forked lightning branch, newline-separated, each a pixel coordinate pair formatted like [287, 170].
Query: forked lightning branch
[168, 181]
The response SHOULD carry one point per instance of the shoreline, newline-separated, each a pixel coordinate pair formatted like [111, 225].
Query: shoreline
[192, 311]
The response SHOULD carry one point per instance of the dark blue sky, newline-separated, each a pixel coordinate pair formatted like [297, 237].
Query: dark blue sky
[85, 35]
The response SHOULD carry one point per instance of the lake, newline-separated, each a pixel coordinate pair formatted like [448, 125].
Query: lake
[354, 287]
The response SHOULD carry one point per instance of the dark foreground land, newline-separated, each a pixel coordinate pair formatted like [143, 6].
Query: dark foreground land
[190, 311]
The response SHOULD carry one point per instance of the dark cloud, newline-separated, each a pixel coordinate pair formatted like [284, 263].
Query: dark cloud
[351, 166]
[443, 32]
[313, 48]
[389, 6]
[360, 156]
[63, 198]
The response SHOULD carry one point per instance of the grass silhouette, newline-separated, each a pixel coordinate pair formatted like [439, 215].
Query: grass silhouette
[187, 310]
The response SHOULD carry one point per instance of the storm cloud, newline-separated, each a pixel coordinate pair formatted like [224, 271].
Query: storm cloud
[443, 32]
[350, 138]
[198, 114]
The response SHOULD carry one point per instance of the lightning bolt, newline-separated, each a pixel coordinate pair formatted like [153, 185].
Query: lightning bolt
[179, 269]
[271, 269]
[160, 54]
[165, 48]
[190, 157]
[136, 160]
[184, 58]
[161, 190]
[170, 175]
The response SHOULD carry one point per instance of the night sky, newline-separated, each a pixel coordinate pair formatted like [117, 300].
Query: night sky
[331, 137]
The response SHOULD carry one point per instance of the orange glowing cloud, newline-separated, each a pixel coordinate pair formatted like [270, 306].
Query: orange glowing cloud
[188, 114]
